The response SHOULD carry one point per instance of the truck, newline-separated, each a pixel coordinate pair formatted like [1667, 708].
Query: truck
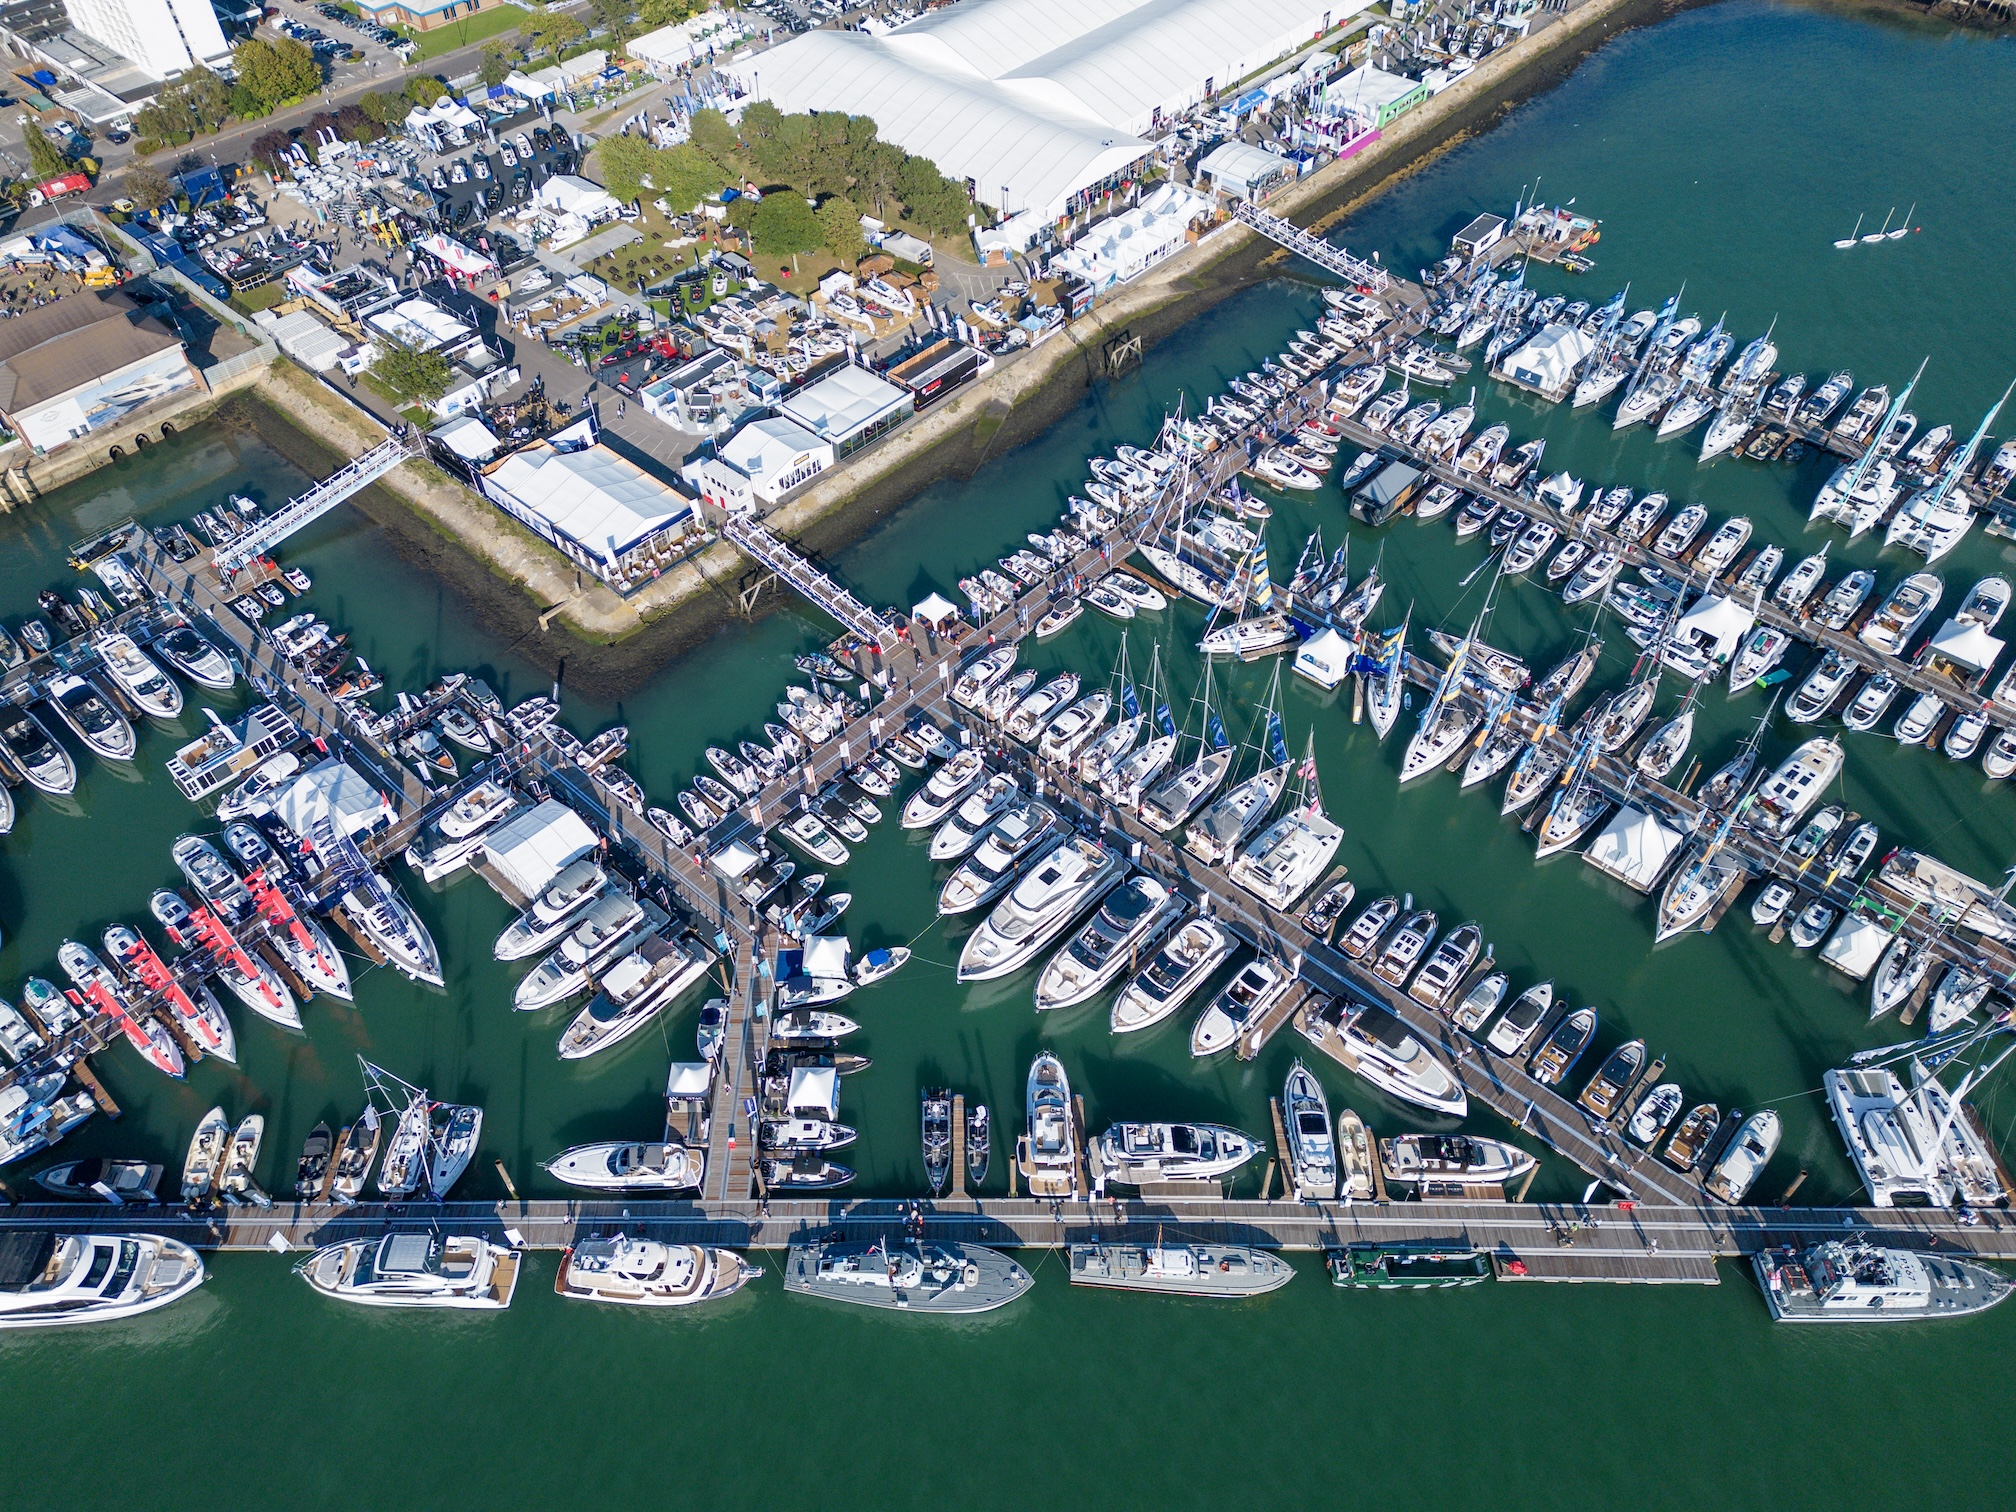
[59, 188]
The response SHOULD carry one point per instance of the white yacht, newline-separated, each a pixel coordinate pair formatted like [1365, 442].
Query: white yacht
[613, 924]
[942, 794]
[1801, 781]
[1027, 831]
[634, 991]
[1931, 522]
[415, 1270]
[1176, 797]
[52, 1280]
[1857, 1281]
[1412, 1159]
[1048, 1154]
[1910, 1145]
[1312, 1148]
[1393, 1060]
[195, 658]
[42, 761]
[152, 690]
[1056, 890]
[1131, 921]
[1135, 1154]
[1246, 998]
[1909, 605]
[390, 923]
[1288, 858]
[1744, 1159]
[552, 912]
[80, 705]
[647, 1273]
[631, 1167]
[1183, 964]
[1224, 827]
[962, 830]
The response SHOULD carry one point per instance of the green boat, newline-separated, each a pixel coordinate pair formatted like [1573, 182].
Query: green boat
[1421, 1262]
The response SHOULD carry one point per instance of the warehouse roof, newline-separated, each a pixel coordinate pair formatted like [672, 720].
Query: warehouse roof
[72, 343]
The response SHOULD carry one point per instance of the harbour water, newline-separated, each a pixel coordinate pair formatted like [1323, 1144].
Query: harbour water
[1722, 147]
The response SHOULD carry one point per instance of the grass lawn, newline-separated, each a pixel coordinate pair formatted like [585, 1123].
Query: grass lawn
[491, 21]
[262, 297]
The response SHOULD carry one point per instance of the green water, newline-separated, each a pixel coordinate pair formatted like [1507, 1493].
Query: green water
[1727, 147]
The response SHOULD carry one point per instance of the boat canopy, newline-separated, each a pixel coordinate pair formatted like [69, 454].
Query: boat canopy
[1325, 658]
[530, 849]
[335, 791]
[1716, 625]
[1857, 946]
[826, 956]
[689, 1081]
[815, 1090]
[1635, 848]
[1966, 645]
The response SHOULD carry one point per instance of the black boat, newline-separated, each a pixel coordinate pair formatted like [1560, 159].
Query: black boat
[937, 1138]
[314, 1166]
[979, 1140]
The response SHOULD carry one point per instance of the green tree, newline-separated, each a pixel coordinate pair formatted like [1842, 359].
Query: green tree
[840, 229]
[424, 89]
[209, 97]
[147, 186]
[413, 375]
[499, 60]
[685, 176]
[656, 13]
[876, 165]
[625, 162]
[388, 110]
[931, 199]
[276, 72]
[43, 157]
[784, 224]
[244, 104]
[616, 17]
[714, 136]
[551, 32]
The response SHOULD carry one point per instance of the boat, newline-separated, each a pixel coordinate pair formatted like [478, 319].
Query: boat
[962, 829]
[1058, 888]
[1480, 1002]
[552, 913]
[1446, 967]
[633, 992]
[1920, 716]
[1047, 1155]
[1770, 904]
[1667, 745]
[51, 1280]
[809, 835]
[1871, 701]
[115, 1181]
[416, 1270]
[131, 669]
[1389, 1056]
[1899, 974]
[1132, 920]
[1408, 1263]
[195, 658]
[665, 1166]
[207, 1148]
[1910, 603]
[1800, 781]
[234, 1181]
[1312, 1149]
[927, 1276]
[1138, 1154]
[1245, 999]
[1690, 1140]
[1415, 1159]
[647, 1273]
[1744, 1159]
[1614, 1079]
[1024, 833]
[1958, 994]
[1654, 1113]
[1369, 927]
[1845, 599]
[1189, 956]
[44, 763]
[937, 1135]
[389, 922]
[1856, 1280]
[1405, 949]
[1563, 1047]
[80, 705]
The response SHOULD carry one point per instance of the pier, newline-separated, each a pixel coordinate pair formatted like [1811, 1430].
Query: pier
[271, 530]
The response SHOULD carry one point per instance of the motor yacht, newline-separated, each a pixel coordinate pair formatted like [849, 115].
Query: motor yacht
[664, 1167]
[1312, 1147]
[1132, 920]
[1458, 1159]
[389, 922]
[51, 1280]
[1138, 1154]
[416, 1270]
[1245, 1000]
[633, 992]
[552, 913]
[1909, 605]
[647, 1273]
[80, 705]
[1391, 1058]
[1048, 1154]
[152, 691]
[1745, 1157]
[1056, 890]
[607, 930]
[44, 763]
[1288, 857]
[1187, 959]
[1026, 831]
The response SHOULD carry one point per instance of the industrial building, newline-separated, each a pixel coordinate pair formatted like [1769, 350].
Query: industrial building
[83, 363]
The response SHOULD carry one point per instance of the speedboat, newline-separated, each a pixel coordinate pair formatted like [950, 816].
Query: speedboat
[1312, 1148]
[1406, 948]
[80, 705]
[1745, 1158]
[1130, 920]
[1369, 927]
[50, 1280]
[195, 658]
[648, 1273]
[1613, 1079]
[1026, 831]
[144, 682]
[1183, 964]
[1563, 1047]
[34, 750]
[1042, 905]
[1480, 1002]
[665, 1167]
[1655, 1114]
[1136, 1154]
[416, 1270]
[1245, 999]
[99, 1180]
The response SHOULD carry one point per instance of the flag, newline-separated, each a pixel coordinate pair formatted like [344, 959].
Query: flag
[1277, 743]
[1308, 769]
[1214, 731]
[1128, 701]
[1163, 720]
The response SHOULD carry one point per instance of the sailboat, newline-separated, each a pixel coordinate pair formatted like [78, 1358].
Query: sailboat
[1883, 235]
[1899, 232]
[1179, 795]
[1386, 690]
[1579, 804]
[1132, 774]
[1257, 627]
[1225, 826]
[1702, 881]
[1861, 492]
[1852, 237]
[1934, 520]
[1106, 749]
[1451, 716]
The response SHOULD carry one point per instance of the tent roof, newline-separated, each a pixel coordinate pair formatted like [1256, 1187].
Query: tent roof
[814, 1088]
[534, 847]
[826, 956]
[1967, 644]
[935, 610]
[334, 791]
[1234, 159]
[1635, 848]
[593, 496]
[689, 1079]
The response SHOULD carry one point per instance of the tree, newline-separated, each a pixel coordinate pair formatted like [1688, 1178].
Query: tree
[209, 97]
[931, 199]
[270, 148]
[276, 72]
[714, 136]
[840, 229]
[424, 89]
[147, 186]
[388, 110]
[625, 162]
[875, 168]
[685, 176]
[656, 13]
[244, 104]
[413, 375]
[43, 157]
[500, 59]
[784, 224]
[616, 17]
[551, 32]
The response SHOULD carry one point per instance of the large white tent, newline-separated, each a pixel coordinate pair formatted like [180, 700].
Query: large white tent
[1035, 100]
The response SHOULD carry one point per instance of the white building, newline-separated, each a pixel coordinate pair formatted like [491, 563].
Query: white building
[1125, 246]
[1038, 104]
[598, 508]
[1245, 172]
[762, 461]
[162, 37]
[848, 408]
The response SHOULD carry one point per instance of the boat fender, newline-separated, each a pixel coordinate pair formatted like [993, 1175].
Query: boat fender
[971, 1276]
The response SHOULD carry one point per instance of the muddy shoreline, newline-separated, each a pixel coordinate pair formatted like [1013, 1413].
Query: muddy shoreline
[605, 672]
